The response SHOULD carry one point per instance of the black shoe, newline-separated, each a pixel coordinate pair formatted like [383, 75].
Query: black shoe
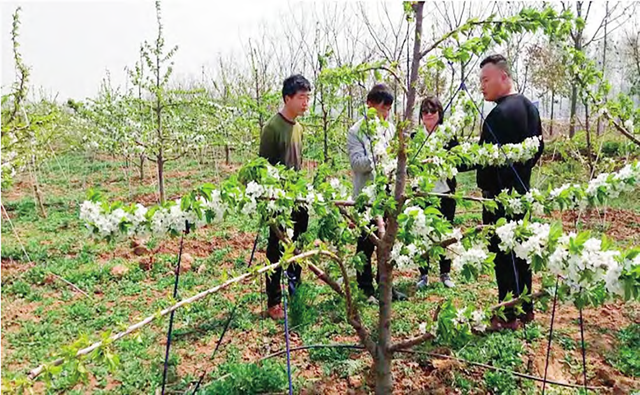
[527, 317]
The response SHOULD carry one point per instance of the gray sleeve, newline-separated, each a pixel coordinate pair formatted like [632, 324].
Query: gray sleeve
[360, 161]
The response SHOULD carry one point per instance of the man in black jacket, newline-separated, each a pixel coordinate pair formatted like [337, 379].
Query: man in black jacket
[513, 119]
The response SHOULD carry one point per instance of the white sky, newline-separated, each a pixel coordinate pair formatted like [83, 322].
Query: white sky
[69, 45]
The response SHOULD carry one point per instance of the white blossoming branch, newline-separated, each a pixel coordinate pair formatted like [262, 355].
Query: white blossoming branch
[598, 191]
[588, 266]
[268, 194]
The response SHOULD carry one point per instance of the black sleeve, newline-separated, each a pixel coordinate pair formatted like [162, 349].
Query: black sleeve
[535, 129]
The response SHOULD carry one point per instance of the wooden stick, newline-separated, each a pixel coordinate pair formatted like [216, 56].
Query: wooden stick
[72, 285]
[450, 196]
[341, 203]
[37, 371]
[515, 301]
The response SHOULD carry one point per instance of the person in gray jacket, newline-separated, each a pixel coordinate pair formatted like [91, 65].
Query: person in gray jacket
[363, 163]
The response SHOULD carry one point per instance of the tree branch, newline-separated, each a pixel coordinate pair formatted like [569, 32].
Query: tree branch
[37, 371]
[374, 238]
[324, 277]
[414, 341]
[353, 315]
[515, 301]
[450, 196]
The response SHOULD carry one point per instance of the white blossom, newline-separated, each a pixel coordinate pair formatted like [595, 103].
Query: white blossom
[370, 192]
[478, 321]
[461, 257]
[273, 172]
[460, 318]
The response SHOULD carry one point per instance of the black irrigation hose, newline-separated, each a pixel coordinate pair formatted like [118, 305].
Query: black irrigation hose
[312, 346]
[175, 296]
[482, 365]
[584, 354]
[286, 332]
[253, 251]
[231, 315]
[224, 331]
[553, 316]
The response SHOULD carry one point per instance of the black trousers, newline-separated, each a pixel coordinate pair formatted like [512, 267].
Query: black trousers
[365, 276]
[448, 210]
[512, 273]
[300, 220]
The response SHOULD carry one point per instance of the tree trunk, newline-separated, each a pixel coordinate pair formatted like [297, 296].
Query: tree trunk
[160, 163]
[383, 358]
[141, 167]
[411, 89]
[577, 45]
[325, 130]
[604, 58]
[260, 120]
[36, 189]
[158, 110]
[350, 104]
[395, 102]
[572, 115]
[227, 156]
[384, 380]
[588, 137]
[39, 200]
[38, 195]
[553, 102]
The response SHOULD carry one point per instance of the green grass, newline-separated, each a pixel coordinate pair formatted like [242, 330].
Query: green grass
[627, 357]
[41, 314]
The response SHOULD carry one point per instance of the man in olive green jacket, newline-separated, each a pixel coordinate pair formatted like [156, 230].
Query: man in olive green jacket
[281, 143]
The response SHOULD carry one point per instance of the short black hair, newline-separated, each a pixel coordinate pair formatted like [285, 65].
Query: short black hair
[380, 93]
[431, 103]
[498, 60]
[294, 84]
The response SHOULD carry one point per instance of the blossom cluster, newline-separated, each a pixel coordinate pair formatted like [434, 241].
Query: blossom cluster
[476, 319]
[473, 257]
[420, 232]
[464, 318]
[380, 134]
[584, 264]
[111, 220]
[591, 267]
[500, 155]
[138, 220]
[443, 164]
[604, 186]
[574, 196]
